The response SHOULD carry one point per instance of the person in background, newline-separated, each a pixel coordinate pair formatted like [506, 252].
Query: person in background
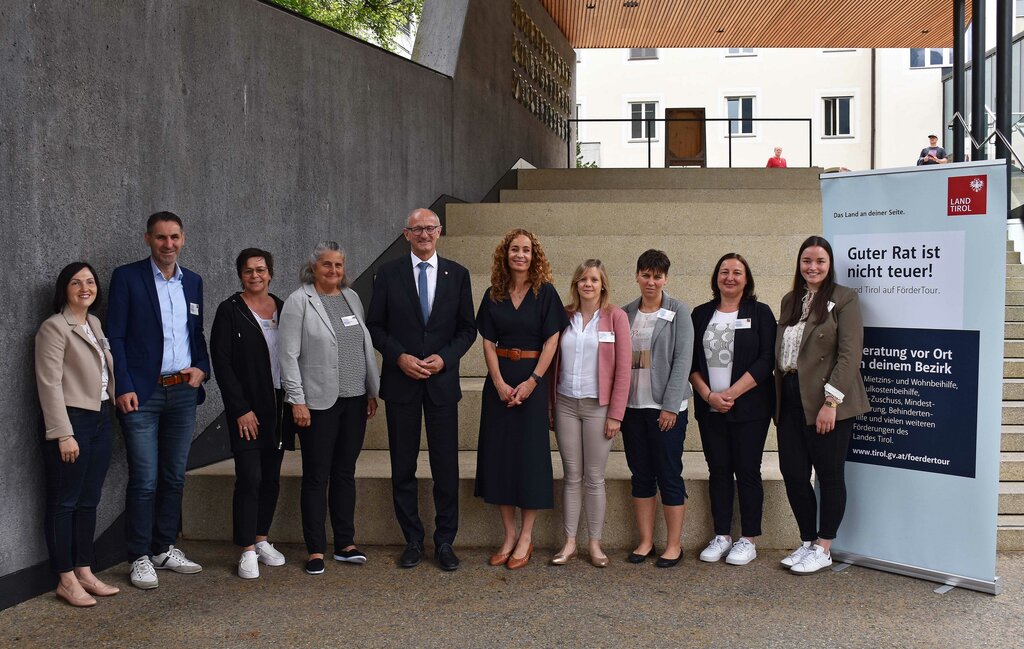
[590, 390]
[329, 376]
[818, 351]
[243, 348]
[933, 154]
[776, 161]
[74, 377]
[654, 425]
[734, 388]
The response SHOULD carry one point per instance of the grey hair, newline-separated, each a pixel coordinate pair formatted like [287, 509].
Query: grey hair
[306, 270]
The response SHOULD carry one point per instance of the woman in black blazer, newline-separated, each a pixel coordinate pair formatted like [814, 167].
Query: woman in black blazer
[243, 346]
[733, 360]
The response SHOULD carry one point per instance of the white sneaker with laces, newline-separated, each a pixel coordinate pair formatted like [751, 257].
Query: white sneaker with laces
[248, 566]
[268, 554]
[716, 549]
[174, 559]
[812, 562]
[796, 555]
[742, 553]
[142, 575]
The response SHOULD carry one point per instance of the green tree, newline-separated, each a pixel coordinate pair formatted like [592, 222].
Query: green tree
[372, 20]
[579, 158]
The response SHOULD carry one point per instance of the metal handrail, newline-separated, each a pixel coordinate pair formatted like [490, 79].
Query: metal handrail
[957, 117]
[571, 159]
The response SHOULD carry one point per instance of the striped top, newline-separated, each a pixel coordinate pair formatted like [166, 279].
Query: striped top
[351, 353]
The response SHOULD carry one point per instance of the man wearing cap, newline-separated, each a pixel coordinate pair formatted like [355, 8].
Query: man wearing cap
[933, 154]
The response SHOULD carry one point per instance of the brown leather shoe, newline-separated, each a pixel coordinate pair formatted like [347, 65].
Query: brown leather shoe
[499, 559]
[515, 563]
[82, 601]
[98, 588]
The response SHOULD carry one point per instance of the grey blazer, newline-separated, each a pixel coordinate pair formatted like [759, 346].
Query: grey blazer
[671, 352]
[307, 349]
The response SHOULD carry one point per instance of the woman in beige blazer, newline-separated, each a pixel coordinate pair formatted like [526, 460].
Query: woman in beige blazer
[818, 349]
[75, 379]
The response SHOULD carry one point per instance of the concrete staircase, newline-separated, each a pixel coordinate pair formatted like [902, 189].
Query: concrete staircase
[695, 215]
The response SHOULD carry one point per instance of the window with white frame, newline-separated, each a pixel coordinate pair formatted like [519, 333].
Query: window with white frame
[935, 57]
[1020, 8]
[640, 112]
[741, 51]
[837, 116]
[642, 53]
[741, 115]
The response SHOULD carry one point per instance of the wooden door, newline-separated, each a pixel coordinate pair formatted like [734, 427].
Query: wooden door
[685, 142]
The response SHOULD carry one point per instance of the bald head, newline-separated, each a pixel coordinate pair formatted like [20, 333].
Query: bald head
[422, 230]
[422, 216]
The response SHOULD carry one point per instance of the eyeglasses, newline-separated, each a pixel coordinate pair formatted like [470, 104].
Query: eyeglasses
[420, 229]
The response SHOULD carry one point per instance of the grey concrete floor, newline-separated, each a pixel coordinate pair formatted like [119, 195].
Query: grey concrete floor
[380, 605]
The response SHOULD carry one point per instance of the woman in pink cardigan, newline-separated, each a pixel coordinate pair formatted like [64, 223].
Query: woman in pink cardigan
[591, 387]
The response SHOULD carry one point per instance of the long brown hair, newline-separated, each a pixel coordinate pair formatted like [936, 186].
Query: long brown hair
[574, 289]
[501, 277]
[819, 306]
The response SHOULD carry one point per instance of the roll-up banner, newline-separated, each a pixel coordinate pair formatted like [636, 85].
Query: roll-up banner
[925, 248]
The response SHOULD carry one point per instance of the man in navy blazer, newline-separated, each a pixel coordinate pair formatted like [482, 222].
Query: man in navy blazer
[155, 327]
[421, 321]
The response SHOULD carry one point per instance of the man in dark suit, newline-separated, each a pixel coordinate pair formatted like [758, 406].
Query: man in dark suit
[933, 154]
[421, 321]
[155, 325]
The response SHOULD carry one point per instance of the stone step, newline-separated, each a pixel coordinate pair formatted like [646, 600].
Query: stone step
[1011, 467]
[1013, 413]
[807, 179]
[206, 507]
[1011, 497]
[1013, 389]
[1013, 330]
[772, 196]
[1009, 244]
[1010, 533]
[1014, 269]
[1014, 283]
[1014, 313]
[1013, 349]
[607, 219]
[1014, 298]
[1013, 368]
[1012, 257]
[1012, 439]
[694, 254]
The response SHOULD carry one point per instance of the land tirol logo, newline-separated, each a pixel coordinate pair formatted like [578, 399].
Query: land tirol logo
[967, 195]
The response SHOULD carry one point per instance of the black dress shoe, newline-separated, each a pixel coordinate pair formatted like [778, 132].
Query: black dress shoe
[446, 557]
[412, 556]
[662, 562]
[640, 558]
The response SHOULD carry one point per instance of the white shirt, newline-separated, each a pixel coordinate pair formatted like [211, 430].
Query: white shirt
[431, 276]
[104, 375]
[177, 354]
[269, 329]
[577, 369]
[641, 394]
[719, 342]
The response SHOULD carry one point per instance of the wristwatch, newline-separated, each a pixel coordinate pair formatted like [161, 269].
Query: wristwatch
[534, 376]
[831, 404]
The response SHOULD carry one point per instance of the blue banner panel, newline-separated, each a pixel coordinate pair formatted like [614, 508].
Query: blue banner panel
[923, 388]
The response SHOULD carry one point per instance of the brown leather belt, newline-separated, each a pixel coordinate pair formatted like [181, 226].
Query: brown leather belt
[788, 372]
[167, 380]
[516, 354]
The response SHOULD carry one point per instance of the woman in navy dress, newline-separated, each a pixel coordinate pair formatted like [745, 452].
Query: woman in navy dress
[520, 318]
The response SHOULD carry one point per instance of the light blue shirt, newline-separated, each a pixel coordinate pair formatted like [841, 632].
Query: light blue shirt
[174, 320]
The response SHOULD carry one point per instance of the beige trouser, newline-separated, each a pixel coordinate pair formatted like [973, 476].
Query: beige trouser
[579, 428]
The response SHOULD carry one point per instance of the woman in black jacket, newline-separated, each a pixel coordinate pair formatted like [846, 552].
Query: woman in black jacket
[243, 348]
[733, 361]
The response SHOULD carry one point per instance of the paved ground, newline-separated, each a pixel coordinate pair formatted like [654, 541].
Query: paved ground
[380, 605]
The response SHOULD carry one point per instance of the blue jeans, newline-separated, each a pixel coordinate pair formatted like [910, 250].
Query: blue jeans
[158, 437]
[73, 489]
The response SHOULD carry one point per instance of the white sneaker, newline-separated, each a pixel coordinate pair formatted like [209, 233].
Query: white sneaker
[742, 553]
[268, 554]
[142, 575]
[796, 555]
[248, 566]
[813, 561]
[716, 549]
[174, 559]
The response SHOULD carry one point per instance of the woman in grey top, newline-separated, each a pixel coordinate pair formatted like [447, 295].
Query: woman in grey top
[329, 376]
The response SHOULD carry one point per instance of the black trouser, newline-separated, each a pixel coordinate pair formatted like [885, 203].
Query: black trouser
[443, 445]
[74, 488]
[800, 448]
[330, 447]
[257, 483]
[734, 448]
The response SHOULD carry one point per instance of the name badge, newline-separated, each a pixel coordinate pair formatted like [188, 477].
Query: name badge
[349, 321]
[105, 344]
[666, 315]
[193, 308]
[831, 305]
[270, 324]
[605, 336]
[741, 323]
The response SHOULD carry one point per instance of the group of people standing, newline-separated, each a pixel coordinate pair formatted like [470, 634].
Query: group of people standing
[306, 366]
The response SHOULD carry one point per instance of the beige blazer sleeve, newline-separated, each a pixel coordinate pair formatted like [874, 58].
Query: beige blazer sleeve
[51, 341]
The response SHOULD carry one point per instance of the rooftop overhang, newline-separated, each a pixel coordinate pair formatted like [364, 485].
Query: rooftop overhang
[755, 23]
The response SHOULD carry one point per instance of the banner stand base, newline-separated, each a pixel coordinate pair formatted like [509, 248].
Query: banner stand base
[993, 587]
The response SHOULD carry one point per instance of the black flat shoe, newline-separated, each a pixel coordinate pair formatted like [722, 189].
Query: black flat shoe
[662, 562]
[315, 567]
[412, 556]
[640, 558]
[446, 557]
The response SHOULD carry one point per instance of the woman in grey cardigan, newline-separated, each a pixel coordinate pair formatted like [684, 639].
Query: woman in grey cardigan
[654, 425]
[329, 376]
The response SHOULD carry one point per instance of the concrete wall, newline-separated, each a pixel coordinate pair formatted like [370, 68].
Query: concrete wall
[257, 127]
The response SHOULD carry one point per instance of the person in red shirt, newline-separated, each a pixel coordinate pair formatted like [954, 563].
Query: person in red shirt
[777, 160]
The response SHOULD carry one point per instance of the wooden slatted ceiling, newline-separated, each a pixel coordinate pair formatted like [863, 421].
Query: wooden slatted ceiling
[756, 23]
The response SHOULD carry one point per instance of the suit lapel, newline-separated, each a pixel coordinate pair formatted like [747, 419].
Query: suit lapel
[317, 304]
[149, 282]
[407, 277]
[443, 285]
